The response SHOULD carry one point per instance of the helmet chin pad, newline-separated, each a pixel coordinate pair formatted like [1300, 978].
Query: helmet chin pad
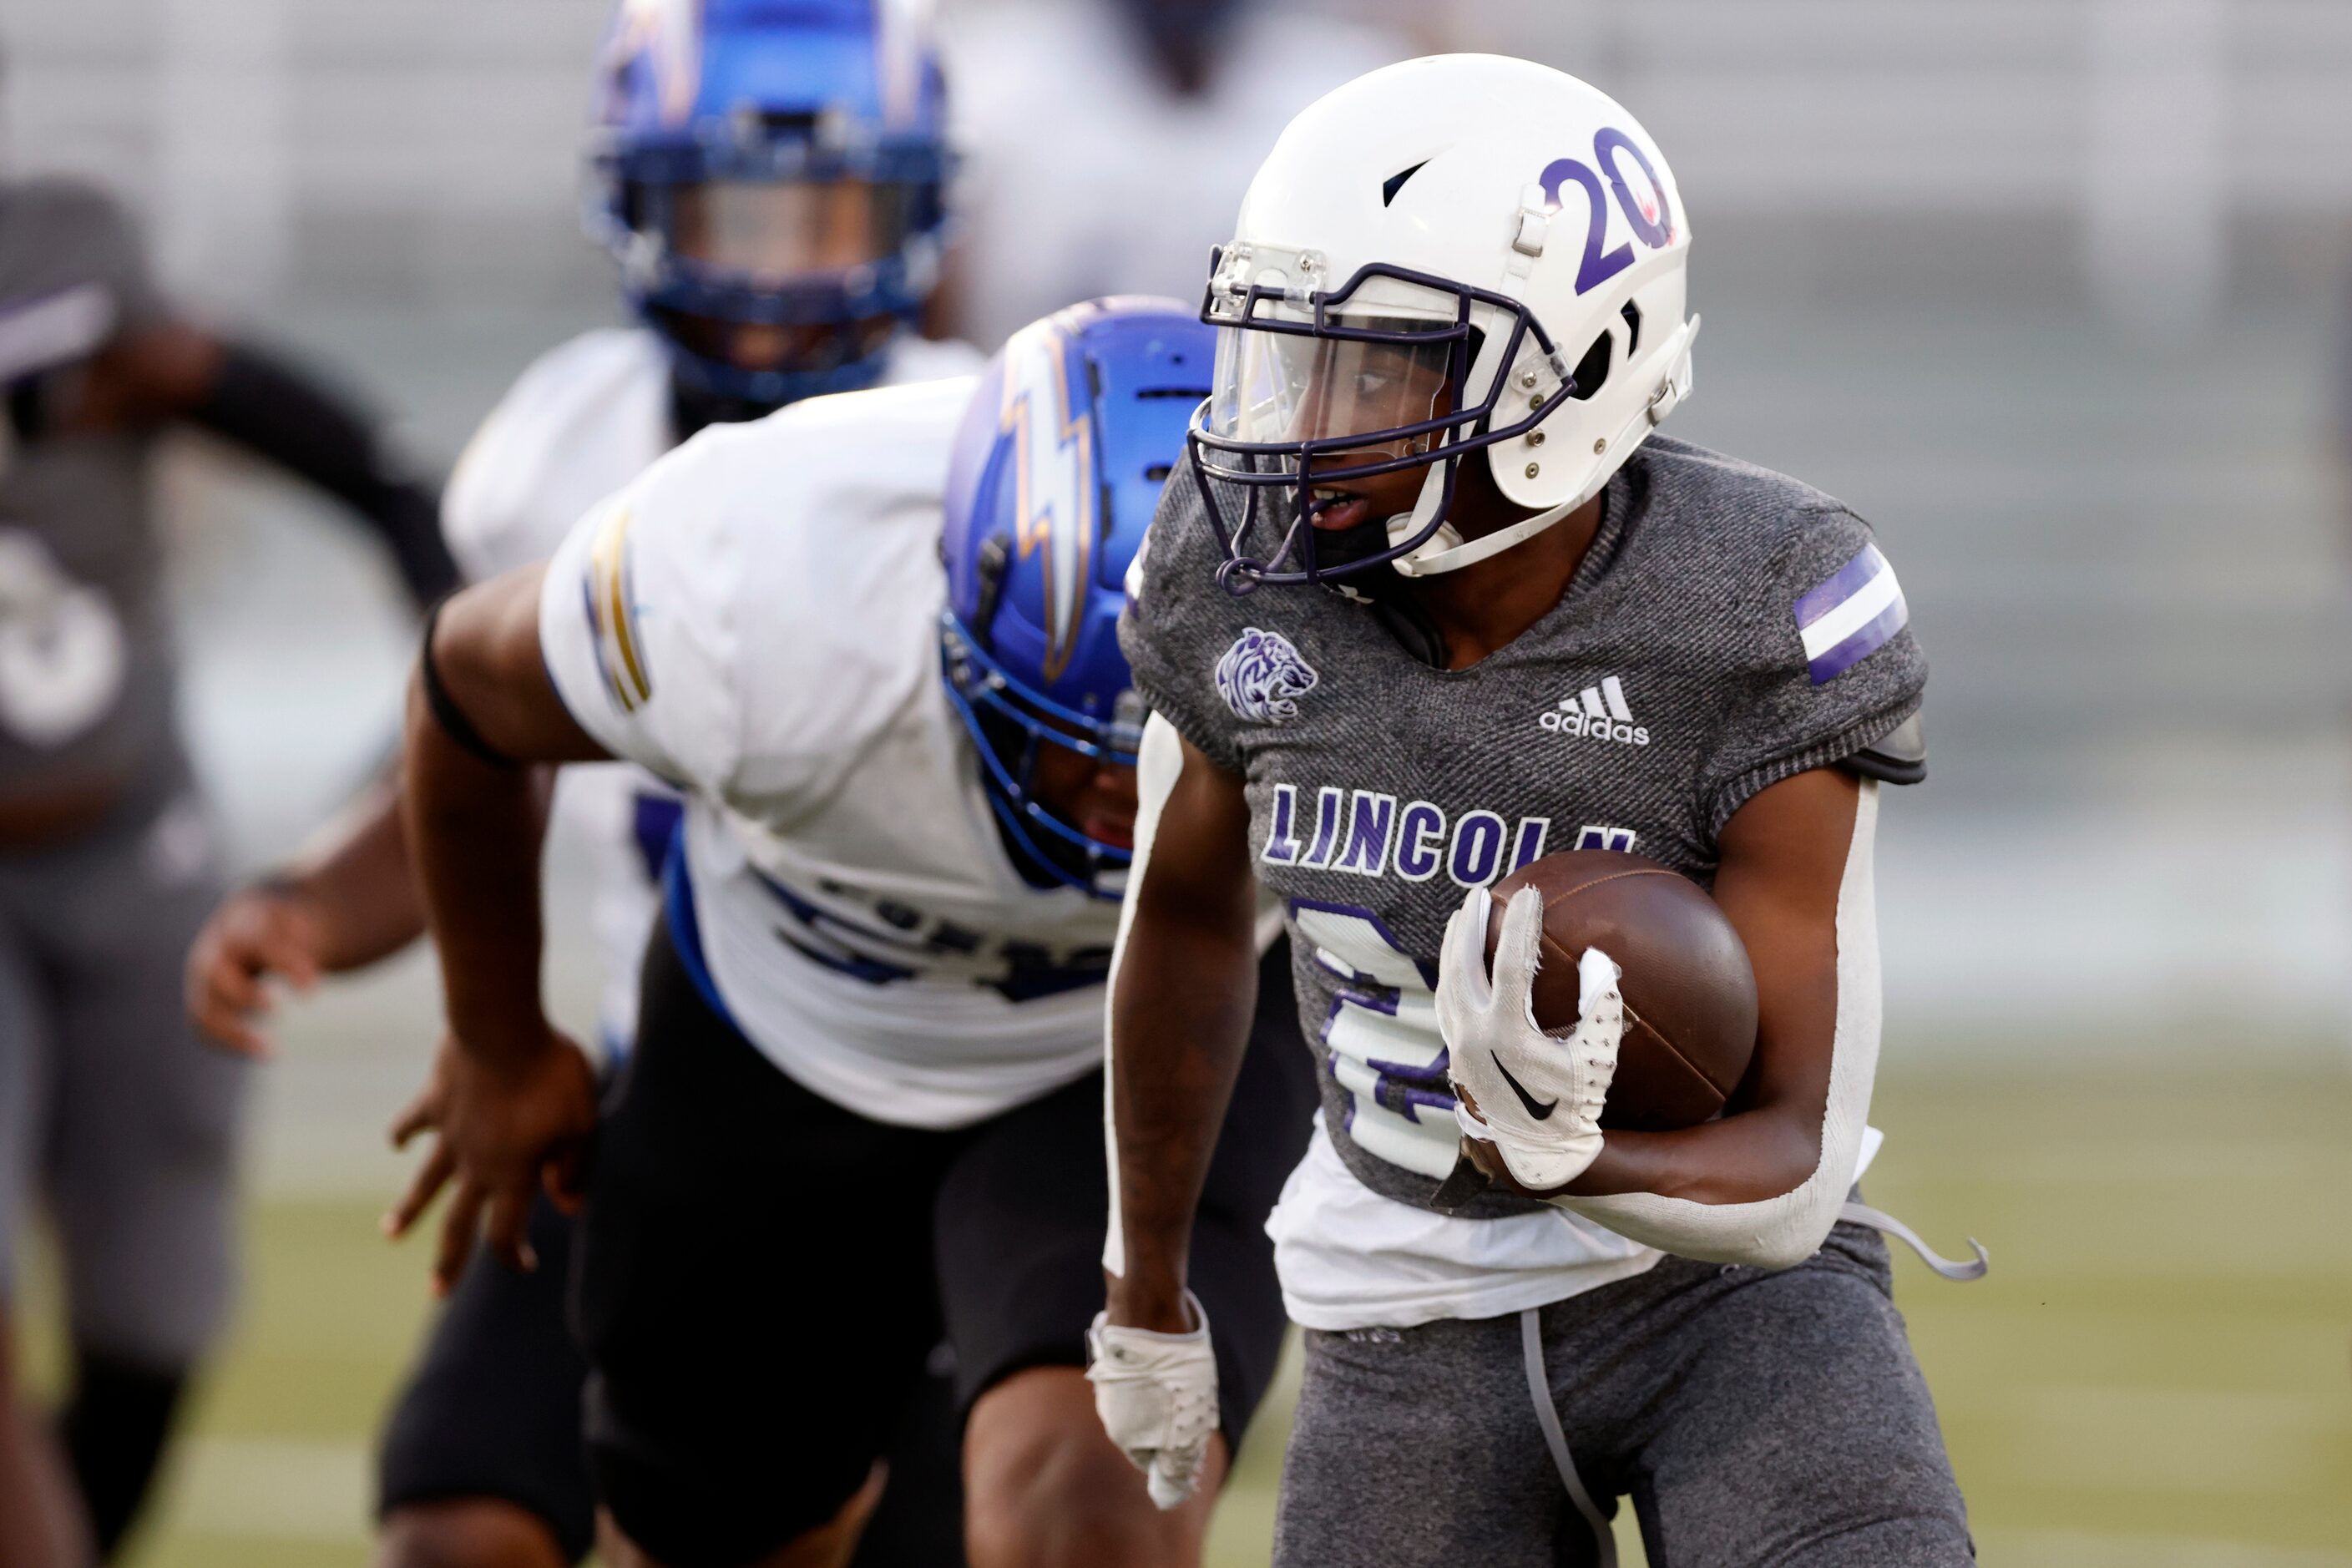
[1414, 523]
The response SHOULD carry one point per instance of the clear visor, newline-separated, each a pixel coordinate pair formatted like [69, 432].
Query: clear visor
[1280, 387]
[786, 228]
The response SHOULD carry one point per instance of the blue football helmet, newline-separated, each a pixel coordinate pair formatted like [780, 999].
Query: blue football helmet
[1052, 482]
[772, 171]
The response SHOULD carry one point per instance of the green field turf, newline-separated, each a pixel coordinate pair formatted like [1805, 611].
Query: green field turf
[2156, 1374]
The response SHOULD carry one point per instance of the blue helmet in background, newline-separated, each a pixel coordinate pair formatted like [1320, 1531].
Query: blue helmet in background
[771, 175]
[1055, 474]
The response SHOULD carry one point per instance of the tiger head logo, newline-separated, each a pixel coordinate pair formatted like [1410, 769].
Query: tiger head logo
[1262, 676]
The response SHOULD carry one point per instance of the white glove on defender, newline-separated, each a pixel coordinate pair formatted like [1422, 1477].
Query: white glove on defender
[1157, 1395]
[1538, 1096]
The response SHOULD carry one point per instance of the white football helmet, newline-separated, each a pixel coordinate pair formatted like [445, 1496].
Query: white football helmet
[1455, 255]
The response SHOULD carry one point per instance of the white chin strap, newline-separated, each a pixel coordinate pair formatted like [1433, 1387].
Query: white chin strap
[1445, 549]
[1444, 552]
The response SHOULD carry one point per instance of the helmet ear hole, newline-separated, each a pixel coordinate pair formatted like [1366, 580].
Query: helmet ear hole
[1594, 368]
[1632, 314]
[995, 555]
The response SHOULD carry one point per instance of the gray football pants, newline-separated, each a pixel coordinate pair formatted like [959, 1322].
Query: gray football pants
[112, 1116]
[1753, 1418]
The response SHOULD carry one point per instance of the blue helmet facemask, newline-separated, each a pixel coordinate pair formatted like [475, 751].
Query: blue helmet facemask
[769, 176]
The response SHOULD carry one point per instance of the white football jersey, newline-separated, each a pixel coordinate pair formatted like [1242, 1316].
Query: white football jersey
[584, 419]
[756, 619]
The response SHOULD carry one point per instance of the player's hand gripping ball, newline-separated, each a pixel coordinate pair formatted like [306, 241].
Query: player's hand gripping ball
[1683, 991]
[1535, 1096]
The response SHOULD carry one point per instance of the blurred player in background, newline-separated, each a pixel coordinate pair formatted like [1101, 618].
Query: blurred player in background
[865, 1097]
[108, 1118]
[1108, 141]
[770, 178]
[1451, 315]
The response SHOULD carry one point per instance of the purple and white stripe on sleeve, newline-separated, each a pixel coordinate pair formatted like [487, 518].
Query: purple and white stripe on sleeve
[1851, 614]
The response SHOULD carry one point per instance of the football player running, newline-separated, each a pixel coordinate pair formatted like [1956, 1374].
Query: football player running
[109, 1119]
[770, 182]
[864, 1098]
[1424, 511]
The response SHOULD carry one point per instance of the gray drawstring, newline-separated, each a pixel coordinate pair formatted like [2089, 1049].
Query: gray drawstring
[1540, 1390]
[1863, 1213]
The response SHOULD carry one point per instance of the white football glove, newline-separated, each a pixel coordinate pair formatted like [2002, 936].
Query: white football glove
[1157, 1395]
[1537, 1096]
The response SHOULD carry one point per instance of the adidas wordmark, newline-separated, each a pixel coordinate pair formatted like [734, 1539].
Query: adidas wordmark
[1597, 712]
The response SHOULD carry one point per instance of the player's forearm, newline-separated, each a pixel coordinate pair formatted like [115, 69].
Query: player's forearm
[1180, 1024]
[473, 830]
[358, 884]
[481, 713]
[1740, 1159]
[1763, 1152]
[287, 415]
[1768, 1221]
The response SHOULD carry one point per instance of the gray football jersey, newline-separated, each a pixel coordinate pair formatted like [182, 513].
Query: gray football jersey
[85, 687]
[1728, 628]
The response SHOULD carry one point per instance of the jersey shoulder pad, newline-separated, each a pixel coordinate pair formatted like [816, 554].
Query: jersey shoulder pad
[1180, 627]
[748, 614]
[1843, 602]
[1814, 594]
[1180, 549]
[846, 456]
[578, 424]
[848, 437]
[914, 359]
[1807, 645]
[1700, 502]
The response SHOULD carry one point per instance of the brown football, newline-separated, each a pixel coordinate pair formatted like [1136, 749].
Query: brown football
[1690, 994]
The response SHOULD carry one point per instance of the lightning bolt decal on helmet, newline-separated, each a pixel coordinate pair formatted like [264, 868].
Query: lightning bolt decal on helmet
[1055, 473]
[1455, 258]
[1051, 425]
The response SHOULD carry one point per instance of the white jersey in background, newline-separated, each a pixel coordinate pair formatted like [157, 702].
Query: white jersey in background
[1085, 174]
[583, 420]
[756, 619]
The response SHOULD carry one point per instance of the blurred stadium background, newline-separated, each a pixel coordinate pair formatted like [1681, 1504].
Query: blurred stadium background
[2052, 290]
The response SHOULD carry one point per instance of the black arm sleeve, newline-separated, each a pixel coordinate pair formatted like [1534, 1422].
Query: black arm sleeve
[280, 412]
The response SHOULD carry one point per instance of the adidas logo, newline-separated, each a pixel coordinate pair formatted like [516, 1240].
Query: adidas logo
[1597, 712]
